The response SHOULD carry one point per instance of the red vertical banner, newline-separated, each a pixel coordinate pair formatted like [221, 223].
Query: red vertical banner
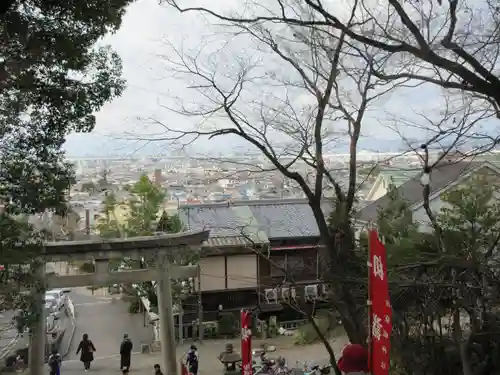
[246, 342]
[380, 307]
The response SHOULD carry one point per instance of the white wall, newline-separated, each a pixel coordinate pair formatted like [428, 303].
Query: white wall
[213, 273]
[242, 271]
[379, 192]
[378, 189]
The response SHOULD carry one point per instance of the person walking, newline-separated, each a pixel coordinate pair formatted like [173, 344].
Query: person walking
[192, 360]
[126, 353]
[87, 349]
[157, 370]
[54, 362]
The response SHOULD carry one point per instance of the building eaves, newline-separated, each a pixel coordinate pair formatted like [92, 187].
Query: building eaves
[229, 241]
[244, 202]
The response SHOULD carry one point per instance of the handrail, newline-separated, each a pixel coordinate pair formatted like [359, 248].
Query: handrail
[152, 317]
[70, 307]
[70, 311]
[7, 348]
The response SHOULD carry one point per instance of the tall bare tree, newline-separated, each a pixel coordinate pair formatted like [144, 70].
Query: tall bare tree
[453, 43]
[305, 90]
[366, 51]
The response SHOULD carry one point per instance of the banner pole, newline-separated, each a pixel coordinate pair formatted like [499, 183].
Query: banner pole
[369, 301]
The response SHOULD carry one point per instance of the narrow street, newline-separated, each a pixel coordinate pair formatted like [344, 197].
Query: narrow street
[105, 319]
[8, 334]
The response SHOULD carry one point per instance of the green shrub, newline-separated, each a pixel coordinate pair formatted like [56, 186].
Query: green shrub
[272, 330]
[210, 329]
[87, 267]
[227, 324]
[306, 334]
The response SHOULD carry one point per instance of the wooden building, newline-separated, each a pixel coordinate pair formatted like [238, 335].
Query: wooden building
[251, 243]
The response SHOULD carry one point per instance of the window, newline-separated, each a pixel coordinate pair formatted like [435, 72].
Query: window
[310, 264]
[295, 264]
[300, 265]
[278, 263]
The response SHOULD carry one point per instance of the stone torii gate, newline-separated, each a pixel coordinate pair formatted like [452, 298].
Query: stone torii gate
[100, 251]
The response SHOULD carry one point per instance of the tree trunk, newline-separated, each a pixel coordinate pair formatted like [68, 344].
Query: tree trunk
[332, 272]
[350, 321]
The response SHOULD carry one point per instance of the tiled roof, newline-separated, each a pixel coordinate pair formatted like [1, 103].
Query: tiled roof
[411, 190]
[277, 218]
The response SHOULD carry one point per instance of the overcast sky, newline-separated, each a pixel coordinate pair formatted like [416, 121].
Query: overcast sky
[142, 44]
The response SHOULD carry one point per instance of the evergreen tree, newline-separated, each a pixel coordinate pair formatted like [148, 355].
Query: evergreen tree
[145, 205]
[53, 79]
[143, 216]
[445, 301]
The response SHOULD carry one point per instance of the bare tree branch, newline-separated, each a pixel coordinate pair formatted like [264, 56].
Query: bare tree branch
[442, 42]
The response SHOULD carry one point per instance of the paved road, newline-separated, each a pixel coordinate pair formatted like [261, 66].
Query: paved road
[7, 331]
[143, 364]
[105, 321]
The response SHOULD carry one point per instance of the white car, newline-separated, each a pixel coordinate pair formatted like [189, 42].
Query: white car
[51, 304]
[59, 295]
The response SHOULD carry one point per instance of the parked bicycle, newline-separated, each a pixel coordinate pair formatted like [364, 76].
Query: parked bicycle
[320, 370]
[305, 366]
[261, 364]
[277, 367]
[15, 363]
[308, 368]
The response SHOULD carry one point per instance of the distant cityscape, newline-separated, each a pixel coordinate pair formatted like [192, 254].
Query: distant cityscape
[189, 181]
[92, 145]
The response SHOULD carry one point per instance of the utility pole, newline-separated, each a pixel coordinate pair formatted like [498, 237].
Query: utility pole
[37, 332]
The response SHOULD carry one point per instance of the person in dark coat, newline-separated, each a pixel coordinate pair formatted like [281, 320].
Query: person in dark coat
[87, 349]
[192, 360]
[54, 362]
[125, 353]
[157, 370]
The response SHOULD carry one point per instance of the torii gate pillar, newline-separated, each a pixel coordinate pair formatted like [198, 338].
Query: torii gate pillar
[166, 316]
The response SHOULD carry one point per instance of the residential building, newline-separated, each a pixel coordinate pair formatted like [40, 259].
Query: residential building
[389, 176]
[259, 254]
[443, 178]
